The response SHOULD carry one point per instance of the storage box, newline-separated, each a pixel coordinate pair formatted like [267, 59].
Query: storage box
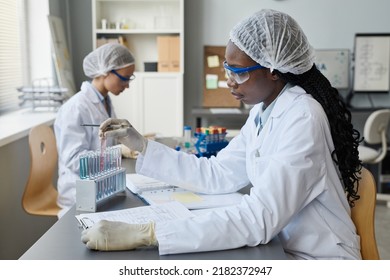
[150, 66]
[168, 53]
[174, 53]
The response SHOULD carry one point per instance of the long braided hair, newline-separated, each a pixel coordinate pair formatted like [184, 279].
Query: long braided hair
[346, 139]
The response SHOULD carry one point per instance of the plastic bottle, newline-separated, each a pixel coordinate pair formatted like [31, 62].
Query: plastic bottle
[187, 134]
[186, 145]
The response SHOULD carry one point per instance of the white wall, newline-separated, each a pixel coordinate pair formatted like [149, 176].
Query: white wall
[327, 24]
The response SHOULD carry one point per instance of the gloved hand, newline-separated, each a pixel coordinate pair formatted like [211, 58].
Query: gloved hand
[116, 236]
[125, 133]
[127, 153]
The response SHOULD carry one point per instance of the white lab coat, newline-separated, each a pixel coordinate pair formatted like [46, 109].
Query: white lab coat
[73, 139]
[296, 193]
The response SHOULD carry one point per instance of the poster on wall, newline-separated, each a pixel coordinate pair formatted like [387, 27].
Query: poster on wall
[61, 55]
[334, 65]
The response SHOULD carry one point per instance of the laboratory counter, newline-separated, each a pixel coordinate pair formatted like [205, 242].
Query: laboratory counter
[63, 240]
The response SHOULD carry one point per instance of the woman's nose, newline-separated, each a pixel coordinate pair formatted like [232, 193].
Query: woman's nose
[231, 83]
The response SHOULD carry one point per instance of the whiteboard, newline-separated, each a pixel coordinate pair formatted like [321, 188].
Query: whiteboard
[334, 65]
[372, 61]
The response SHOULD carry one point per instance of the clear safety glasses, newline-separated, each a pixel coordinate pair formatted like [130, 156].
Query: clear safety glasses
[122, 78]
[240, 75]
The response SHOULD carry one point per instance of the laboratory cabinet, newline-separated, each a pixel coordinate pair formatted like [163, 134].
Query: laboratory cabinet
[154, 32]
[153, 103]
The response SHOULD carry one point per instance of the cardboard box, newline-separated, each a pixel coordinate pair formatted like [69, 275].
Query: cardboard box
[163, 53]
[168, 53]
[174, 54]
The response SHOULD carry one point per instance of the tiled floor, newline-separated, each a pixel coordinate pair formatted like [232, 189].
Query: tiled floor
[382, 230]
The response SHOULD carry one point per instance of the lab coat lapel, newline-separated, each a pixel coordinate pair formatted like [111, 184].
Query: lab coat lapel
[282, 103]
[92, 96]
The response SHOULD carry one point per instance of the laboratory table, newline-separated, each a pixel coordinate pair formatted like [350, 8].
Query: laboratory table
[62, 241]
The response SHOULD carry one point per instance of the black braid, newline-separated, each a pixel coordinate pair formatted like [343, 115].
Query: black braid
[346, 139]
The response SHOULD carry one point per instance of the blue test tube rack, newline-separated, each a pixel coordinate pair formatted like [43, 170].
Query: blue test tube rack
[207, 146]
[101, 177]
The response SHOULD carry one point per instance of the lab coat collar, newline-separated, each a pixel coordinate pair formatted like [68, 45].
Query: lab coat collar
[90, 92]
[285, 100]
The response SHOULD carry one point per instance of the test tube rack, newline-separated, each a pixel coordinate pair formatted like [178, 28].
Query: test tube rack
[43, 95]
[206, 146]
[92, 192]
[101, 177]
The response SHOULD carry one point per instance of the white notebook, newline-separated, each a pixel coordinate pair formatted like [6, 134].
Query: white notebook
[153, 192]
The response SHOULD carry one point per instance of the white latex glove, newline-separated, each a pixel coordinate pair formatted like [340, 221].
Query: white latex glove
[127, 153]
[125, 133]
[117, 236]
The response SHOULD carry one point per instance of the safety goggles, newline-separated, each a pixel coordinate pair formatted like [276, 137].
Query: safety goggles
[122, 78]
[240, 75]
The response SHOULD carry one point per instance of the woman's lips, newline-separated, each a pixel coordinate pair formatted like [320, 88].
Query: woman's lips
[237, 95]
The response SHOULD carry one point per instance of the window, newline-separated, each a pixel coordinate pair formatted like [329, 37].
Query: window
[11, 72]
[25, 48]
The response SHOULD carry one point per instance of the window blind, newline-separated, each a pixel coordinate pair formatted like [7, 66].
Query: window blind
[10, 55]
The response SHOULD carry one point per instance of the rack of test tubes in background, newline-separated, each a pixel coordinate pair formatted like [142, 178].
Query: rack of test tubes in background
[101, 177]
[207, 141]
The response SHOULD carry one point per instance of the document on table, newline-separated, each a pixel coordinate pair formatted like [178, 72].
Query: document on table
[154, 192]
[138, 215]
[137, 184]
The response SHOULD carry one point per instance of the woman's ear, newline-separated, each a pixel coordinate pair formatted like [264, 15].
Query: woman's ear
[273, 76]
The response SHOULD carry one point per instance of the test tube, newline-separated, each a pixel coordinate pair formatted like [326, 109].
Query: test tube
[82, 167]
[223, 134]
[97, 163]
[102, 154]
[207, 133]
[119, 157]
[216, 135]
[91, 166]
[98, 191]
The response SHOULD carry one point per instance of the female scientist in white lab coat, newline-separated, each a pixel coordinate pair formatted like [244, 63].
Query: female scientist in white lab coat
[111, 68]
[298, 149]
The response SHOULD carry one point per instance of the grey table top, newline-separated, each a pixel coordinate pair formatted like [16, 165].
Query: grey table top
[62, 240]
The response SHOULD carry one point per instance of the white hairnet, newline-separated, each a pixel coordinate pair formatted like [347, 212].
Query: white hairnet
[274, 40]
[111, 56]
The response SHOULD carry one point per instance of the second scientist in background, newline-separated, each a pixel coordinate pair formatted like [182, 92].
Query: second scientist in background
[111, 68]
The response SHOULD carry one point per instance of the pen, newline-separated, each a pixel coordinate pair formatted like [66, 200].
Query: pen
[85, 124]
[112, 126]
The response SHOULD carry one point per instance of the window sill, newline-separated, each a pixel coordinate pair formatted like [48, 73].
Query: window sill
[16, 125]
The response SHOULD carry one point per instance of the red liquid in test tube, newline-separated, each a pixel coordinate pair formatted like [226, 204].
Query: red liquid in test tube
[102, 152]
